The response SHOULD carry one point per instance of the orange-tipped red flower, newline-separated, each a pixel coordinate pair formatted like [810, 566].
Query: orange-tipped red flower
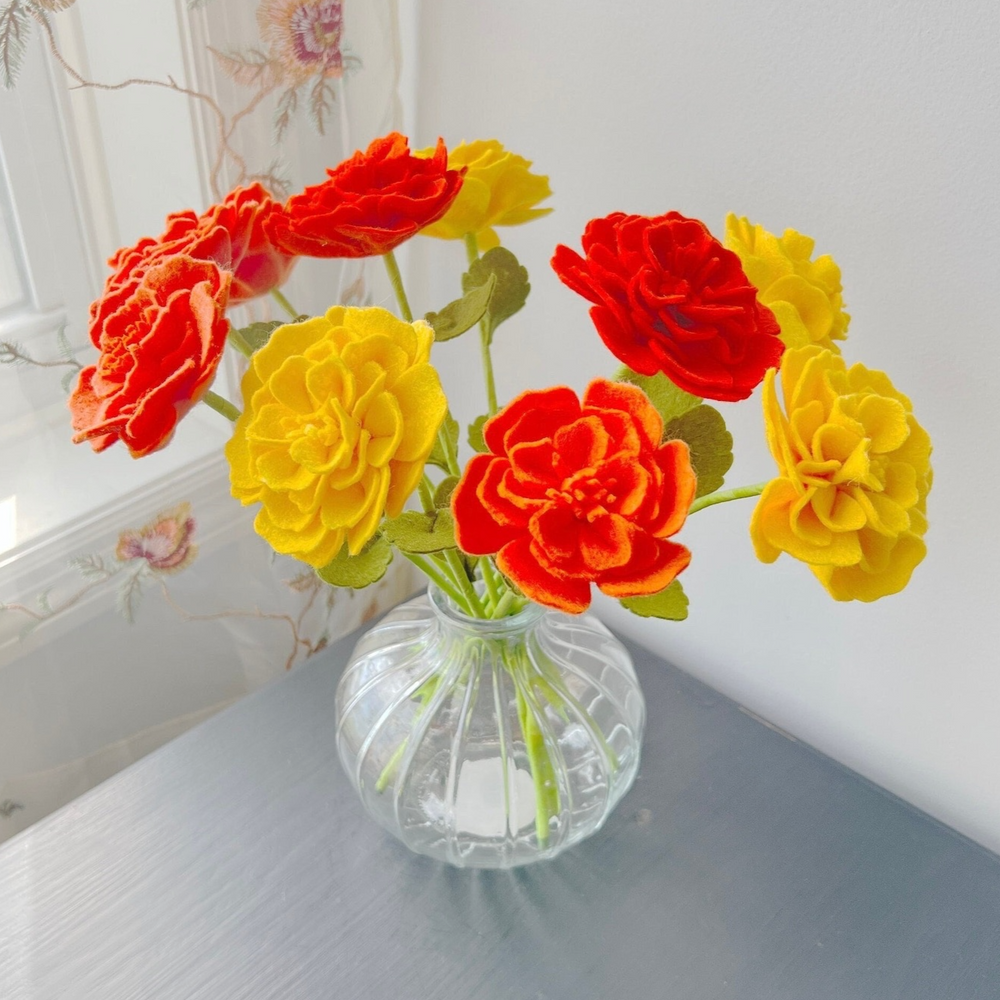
[159, 352]
[230, 235]
[668, 297]
[573, 493]
[370, 203]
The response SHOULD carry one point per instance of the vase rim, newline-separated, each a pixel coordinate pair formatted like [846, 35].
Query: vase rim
[445, 609]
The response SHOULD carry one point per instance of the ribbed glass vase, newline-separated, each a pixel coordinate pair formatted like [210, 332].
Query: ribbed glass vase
[489, 744]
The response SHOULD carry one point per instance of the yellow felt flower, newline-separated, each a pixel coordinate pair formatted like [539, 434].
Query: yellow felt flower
[498, 190]
[854, 473]
[340, 414]
[804, 294]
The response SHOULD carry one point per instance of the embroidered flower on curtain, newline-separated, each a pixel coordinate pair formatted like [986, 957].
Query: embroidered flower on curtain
[303, 37]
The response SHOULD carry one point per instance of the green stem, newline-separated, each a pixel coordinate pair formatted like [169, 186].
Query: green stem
[539, 760]
[722, 496]
[492, 593]
[396, 279]
[472, 251]
[424, 693]
[278, 297]
[221, 405]
[239, 342]
[462, 579]
[505, 604]
[436, 576]
[426, 494]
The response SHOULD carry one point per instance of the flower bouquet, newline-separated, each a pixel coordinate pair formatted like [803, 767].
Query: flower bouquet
[495, 721]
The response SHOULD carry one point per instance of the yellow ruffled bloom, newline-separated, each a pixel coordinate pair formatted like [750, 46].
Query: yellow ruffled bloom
[805, 295]
[855, 471]
[340, 414]
[498, 190]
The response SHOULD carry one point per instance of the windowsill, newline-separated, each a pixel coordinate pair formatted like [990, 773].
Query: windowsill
[54, 482]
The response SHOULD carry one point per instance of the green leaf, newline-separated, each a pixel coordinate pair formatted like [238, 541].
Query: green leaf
[367, 567]
[258, 334]
[463, 313]
[711, 445]
[476, 433]
[421, 533]
[671, 604]
[511, 290]
[669, 400]
[442, 495]
[449, 429]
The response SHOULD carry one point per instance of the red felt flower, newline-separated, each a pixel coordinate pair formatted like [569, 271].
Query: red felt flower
[159, 352]
[668, 297]
[370, 204]
[575, 493]
[230, 234]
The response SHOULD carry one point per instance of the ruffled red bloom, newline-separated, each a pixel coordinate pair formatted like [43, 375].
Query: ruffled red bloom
[575, 493]
[668, 297]
[370, 204]
[230, 234]
[159, 352]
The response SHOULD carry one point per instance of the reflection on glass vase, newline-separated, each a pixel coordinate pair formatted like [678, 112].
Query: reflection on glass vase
[489, 743]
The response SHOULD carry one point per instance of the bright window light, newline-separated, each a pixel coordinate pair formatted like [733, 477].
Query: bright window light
[8, 523]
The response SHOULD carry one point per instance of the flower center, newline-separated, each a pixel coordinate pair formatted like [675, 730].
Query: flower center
[587, 498]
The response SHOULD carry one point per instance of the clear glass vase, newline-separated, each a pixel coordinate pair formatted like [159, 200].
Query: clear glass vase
[489, 744]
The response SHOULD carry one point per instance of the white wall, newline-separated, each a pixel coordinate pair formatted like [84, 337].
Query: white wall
[874, 128]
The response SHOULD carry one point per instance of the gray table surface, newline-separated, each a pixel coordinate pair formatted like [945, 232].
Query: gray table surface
[236, 862]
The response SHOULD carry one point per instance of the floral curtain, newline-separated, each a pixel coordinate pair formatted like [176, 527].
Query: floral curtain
[142, 601]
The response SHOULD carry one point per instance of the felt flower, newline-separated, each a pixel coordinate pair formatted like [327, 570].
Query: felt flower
[804, 294]
[669, 298]
[577, 492]
[370, 203]
[303, 37]
[159, 351]
[230, 234]
[166, 543]
[498, 190]
[854, 473]
[340, 414]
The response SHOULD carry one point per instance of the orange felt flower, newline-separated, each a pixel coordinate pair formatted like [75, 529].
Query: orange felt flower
[230, 234]
[159, 352]
[370, 203]
[573, 493]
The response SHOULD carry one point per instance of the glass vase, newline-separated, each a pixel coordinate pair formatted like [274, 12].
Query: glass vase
[489, 743]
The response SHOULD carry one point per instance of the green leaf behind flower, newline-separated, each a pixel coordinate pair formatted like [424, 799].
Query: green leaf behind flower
[367, 567]
[711, 445]
[421, 533]
[258, 334]
[476, 439]
[464, 313]
[670, 604]
[449, 430]
[669, 400]
[512, 286]
[445, 488]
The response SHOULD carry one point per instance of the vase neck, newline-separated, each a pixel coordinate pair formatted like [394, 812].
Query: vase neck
[511, 628]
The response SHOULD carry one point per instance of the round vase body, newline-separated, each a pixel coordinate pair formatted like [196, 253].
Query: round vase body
[489, 744]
